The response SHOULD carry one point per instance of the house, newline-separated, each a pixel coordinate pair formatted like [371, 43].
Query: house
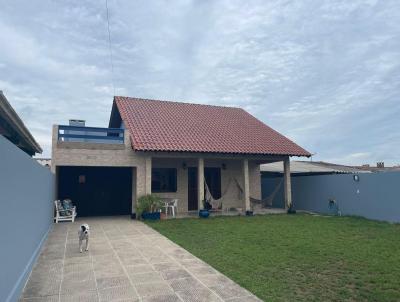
[380, 167]
[172, 149]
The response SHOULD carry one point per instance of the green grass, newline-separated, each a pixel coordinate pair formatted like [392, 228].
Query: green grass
[297, 257]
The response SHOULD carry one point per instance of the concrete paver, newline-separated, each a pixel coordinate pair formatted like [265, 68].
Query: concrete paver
[127, 261]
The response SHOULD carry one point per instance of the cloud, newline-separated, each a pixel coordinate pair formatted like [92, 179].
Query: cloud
[324, 73]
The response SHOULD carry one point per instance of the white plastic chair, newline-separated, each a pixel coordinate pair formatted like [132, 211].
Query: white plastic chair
[173, 205]
[60, 217]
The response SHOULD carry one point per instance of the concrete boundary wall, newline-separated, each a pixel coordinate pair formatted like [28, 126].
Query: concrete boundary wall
[374, 196]
[26, 199]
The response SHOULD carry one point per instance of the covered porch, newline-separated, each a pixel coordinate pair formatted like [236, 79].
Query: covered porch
[231, 183]
[232, 212]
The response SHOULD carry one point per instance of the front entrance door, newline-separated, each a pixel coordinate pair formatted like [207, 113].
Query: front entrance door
[192, 189]
[213, 180]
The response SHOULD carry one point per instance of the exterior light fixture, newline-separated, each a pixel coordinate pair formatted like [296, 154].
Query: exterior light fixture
[184, 166]
[223, 166]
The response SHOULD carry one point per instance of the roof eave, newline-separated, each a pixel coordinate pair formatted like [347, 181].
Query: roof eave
[12, 118]
[217, 152]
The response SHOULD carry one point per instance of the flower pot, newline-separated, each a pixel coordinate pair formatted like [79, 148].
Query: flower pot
[151, 216]
[249, 213]
[133, 215]
[204, 213]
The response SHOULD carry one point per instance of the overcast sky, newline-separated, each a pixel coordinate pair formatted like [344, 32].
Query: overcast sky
[324, 73]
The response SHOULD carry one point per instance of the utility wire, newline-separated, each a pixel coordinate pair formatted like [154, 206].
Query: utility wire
[109, 44]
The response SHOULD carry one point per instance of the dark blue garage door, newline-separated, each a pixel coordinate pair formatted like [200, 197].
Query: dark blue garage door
[97, 191]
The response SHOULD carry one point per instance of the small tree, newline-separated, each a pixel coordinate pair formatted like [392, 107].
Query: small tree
[148, 204]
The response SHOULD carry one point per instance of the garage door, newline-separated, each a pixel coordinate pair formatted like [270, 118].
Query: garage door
[97, 191]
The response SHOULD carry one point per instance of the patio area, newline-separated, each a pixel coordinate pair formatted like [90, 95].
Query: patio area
[231, 212]
[127, 261]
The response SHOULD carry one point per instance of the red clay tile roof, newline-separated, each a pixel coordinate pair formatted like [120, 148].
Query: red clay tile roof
[182, 127]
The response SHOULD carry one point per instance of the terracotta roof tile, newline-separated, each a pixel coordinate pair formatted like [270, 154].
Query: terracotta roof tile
[182, 127]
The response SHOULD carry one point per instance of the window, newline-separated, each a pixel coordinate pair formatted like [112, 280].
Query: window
[163, 180]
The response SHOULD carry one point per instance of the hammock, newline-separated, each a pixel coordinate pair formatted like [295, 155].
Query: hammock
[267, 201]
[217, 203]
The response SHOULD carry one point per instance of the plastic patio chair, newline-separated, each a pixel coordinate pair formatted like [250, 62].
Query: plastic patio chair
[173, 205]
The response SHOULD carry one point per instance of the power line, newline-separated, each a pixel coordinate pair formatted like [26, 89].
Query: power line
[109, 44]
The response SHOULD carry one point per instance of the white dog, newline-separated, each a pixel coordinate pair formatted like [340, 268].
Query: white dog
[83, 234]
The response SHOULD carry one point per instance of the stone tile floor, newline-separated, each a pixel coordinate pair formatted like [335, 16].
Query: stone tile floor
[127, 261]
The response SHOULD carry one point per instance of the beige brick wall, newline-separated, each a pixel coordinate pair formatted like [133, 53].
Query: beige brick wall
[182, 179]
[255, 180]
[105, 155]
[86, 154]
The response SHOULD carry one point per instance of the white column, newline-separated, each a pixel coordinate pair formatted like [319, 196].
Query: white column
[148, 175]
[200, 179]
[134, 190]
[246, 188]
[287, 183]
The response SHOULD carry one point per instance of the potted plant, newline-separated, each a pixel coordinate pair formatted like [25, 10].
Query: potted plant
[148, 207]
[204, 213]
[162, 215]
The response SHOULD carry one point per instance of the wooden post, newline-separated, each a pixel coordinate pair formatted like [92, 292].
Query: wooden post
[148, 175]
[200, 179]
[246, 188]
[287, 183]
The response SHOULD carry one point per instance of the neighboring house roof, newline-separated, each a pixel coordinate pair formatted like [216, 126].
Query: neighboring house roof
[380, 169]
[183, 127]
[12, 127]
[44, 161]
[308, 167]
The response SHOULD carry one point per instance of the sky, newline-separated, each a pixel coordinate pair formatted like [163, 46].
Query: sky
[326, 74]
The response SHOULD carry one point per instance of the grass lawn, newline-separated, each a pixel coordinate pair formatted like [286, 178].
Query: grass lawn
[297, 257]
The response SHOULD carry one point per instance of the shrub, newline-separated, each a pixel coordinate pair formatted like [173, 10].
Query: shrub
[148, 203]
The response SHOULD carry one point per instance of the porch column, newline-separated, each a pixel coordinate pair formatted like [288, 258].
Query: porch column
[246, 189]
[134, 191]
[287, 183]
[200, 179]
[148, 175]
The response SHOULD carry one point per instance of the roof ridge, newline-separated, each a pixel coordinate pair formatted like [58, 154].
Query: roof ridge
[177, 102]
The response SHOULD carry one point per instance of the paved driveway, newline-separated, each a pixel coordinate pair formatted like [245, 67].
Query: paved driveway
[127, 261]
